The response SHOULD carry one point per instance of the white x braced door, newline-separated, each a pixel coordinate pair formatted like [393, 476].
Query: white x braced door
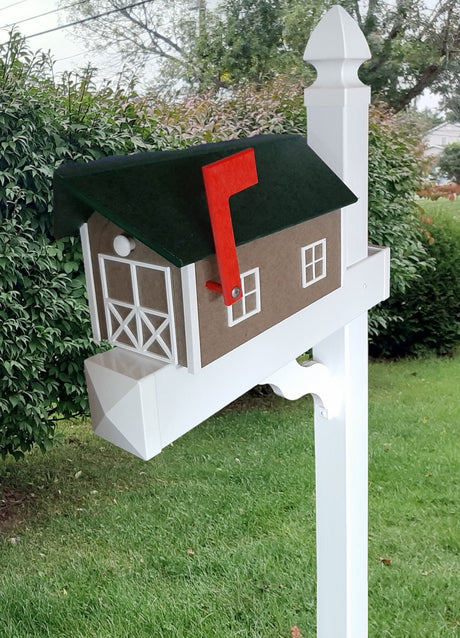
[138, 306]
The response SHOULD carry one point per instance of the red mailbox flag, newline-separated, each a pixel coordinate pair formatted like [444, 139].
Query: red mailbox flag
[222, 179]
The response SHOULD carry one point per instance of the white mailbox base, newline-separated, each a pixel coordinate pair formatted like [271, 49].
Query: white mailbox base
[142, 405]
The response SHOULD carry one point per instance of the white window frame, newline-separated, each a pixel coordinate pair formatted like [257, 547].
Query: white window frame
[246, 293]
[116, 325]
[313, 263]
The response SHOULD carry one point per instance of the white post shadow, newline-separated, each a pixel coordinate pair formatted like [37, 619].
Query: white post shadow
[337, 113]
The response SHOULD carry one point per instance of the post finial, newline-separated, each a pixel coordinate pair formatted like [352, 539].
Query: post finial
[337, 48]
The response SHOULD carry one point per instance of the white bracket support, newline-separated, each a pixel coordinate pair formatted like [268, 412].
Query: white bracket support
[309, 377]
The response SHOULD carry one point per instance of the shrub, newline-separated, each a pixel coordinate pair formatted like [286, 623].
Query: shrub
[428, 310]
[44, 326]
[43, 338]
[436, 191]
[395, 167]
[274, 108]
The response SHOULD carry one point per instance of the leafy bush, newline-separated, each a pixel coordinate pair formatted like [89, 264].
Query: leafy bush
[428, 310]
[436, 191]
[44, 326]
[42, 314]
[274, 108]
[395, 167]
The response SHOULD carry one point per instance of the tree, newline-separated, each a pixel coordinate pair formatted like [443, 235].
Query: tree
[414, 48]
[188, 41]
[164, 32]
[451, 99]
[449, 162]
[240, 42]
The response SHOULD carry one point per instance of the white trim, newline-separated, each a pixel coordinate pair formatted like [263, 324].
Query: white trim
[142, 264]
[313, 263]
[192, 326]
[172, 321]
[90, 287]
[111, 311]
[140, 313]
[246, 293]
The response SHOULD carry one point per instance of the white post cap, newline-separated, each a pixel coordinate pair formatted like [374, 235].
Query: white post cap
[337, 48]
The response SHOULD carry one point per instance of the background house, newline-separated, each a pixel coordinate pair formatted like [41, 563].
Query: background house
[437, 138]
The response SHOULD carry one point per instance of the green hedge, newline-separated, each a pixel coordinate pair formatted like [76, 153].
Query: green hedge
[44, 329]
[44, 322]
[426, 315]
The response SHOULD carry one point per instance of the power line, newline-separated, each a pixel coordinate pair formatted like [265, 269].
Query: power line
[76, 55]
[42, 15]
[99, 15]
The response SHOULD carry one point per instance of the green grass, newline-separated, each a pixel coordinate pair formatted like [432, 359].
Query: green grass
[432, 207]
[414, 498]
[215, 536]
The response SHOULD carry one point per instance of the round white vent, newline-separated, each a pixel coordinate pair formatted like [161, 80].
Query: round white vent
[123, 245]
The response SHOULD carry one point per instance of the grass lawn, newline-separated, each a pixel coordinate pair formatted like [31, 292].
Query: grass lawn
[431, 207]
[215, 536]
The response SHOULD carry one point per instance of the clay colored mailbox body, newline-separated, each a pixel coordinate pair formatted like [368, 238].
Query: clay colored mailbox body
[212, 269]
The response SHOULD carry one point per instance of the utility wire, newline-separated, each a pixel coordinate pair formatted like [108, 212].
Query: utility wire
[99, 15]
[42, 15]
[76, 55]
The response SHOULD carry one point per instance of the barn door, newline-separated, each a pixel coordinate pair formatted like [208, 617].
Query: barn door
[138, 307]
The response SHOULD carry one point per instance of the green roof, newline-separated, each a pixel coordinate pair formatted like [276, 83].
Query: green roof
[159, 198]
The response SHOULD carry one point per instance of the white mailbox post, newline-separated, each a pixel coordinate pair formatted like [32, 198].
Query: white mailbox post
[337, 116]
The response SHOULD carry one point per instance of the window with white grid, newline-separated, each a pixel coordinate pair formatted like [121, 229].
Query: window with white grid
[138, 307]
[313, 262]
[249, 304]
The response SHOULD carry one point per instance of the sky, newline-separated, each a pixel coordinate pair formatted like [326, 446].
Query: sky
[68, 52]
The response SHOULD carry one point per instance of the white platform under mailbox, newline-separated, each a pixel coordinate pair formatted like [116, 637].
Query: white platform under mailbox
[142, 405]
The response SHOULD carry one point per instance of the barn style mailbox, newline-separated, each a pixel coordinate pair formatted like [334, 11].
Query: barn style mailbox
[212, 269]
[156, 272]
